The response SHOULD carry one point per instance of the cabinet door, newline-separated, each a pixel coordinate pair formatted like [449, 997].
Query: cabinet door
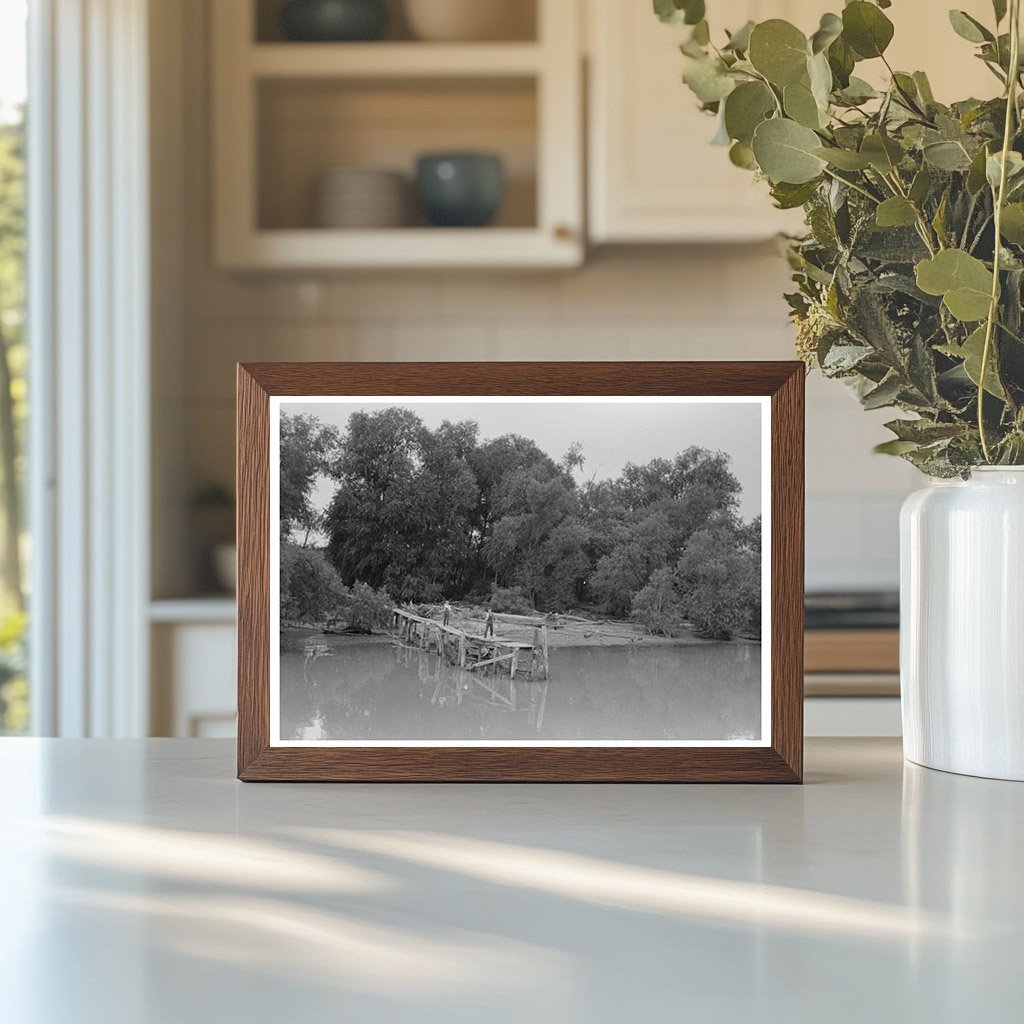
[654, 177]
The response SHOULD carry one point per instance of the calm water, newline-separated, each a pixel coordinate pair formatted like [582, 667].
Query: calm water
[332, 689]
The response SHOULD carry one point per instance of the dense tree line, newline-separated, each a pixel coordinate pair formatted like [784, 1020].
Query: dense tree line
[425, 514]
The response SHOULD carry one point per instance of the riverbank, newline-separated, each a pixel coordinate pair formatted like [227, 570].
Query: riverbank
[564, 630]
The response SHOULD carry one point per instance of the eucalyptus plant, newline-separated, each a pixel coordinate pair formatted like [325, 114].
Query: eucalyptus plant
[909, 280]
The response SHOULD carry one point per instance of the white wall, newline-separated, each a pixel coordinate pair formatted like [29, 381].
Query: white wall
[665, 303]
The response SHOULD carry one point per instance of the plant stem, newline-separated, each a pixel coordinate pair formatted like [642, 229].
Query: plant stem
[923, 228]
[993, 309]
[856, 188]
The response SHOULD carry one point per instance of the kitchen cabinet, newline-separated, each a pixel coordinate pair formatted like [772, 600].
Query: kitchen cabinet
[653, 175]
[192, 647]
[286, 113]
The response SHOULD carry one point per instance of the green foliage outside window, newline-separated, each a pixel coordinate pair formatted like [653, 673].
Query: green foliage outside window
[14, 708]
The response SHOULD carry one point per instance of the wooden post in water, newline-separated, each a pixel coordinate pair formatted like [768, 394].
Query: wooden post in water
[462, 649]
[544, 634]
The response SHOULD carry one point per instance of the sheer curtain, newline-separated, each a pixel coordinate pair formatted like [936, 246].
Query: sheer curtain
[88, 301]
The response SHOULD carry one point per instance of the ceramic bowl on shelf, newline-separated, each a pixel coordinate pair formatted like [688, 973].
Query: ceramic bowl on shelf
[460, 189]
[361, 198]
[470, 20]
[333, 21]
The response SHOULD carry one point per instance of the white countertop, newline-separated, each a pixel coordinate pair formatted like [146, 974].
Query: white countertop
[143, 885]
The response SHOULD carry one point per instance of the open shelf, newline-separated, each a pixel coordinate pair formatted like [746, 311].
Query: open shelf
[288, 113]
[308, 127]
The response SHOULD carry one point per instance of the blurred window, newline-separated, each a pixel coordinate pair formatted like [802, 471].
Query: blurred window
[14, 546]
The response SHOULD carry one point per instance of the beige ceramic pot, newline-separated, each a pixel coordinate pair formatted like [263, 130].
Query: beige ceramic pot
[471, 20]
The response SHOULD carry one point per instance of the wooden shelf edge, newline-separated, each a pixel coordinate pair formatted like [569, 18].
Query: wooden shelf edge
[392, 60]
[852, 650]
[404, 248]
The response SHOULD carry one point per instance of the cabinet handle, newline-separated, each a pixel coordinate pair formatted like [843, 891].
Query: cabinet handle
[563, 232]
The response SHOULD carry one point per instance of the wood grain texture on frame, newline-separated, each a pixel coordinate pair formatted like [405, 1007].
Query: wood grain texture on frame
[783, 382]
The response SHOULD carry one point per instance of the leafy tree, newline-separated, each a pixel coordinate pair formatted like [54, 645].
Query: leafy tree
[14, 703]
[13, 395]
[718, 581]
[537, 542]
[657, 605]
[311, 590]
[367, 609]
[307, 448]
[425, 514]
[403, 512]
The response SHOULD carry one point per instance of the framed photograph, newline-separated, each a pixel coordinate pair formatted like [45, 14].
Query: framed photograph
[520, 572]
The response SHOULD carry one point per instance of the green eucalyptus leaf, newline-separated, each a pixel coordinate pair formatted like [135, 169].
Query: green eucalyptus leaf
[741, 155]
[866, 29]
[924, 87]
[676, 12]
[1012, 224]
[819, 75]
[946, 156]
[999, 7]
[858, 91]
[1014, 169]
[779, 51]
[789, 197]
[939, 220]
[882, 152]
[896, 447]
[844, 159]
[800, 105]
[976, 173]
[841, 60]
[972, 352]
[969, 28]
[708, 80]
[921, 185]
[785, 152]
[923, 431]
[963, 281]
[884, 395]
[745, 108]
[829, 30]
[701, 32]
[739, 41]
[896, 212]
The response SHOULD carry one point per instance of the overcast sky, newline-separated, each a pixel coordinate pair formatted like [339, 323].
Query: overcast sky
[612, 434]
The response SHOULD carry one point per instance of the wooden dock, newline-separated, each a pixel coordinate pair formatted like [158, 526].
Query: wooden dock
[482, 655]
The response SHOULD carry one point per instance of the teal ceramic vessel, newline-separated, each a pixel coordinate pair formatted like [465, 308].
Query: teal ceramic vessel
[461, 190]
[334, 21]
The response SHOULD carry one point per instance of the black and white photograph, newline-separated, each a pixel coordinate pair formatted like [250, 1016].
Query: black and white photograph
[520, 571]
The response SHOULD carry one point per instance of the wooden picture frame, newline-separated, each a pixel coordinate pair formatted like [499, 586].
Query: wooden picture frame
[779, 758]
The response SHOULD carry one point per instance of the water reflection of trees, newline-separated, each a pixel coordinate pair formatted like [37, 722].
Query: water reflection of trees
[396, 692]
[344, 691]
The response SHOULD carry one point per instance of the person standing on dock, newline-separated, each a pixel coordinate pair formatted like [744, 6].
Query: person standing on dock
[489, 623]
[447, 614]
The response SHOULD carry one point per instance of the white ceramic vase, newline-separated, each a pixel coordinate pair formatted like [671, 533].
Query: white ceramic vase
[962, 624]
